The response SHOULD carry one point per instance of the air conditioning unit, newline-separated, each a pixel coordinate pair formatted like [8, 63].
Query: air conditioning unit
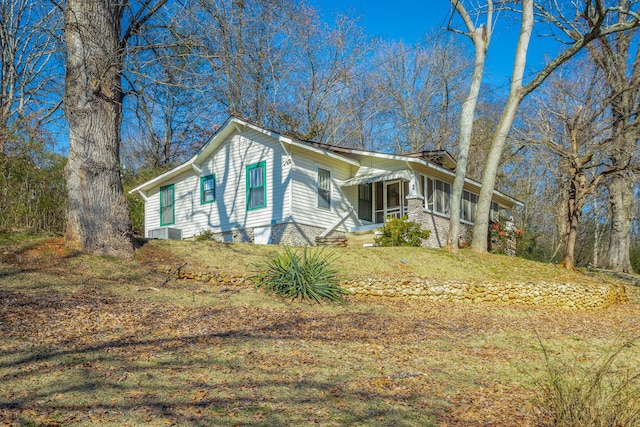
[165, 233]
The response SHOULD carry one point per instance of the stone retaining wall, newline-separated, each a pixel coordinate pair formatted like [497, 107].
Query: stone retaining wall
[548, 294]
[569, 295]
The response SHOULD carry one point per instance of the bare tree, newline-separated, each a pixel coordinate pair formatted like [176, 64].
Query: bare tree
[578, 37]
[29, 32]
[247, 46]
[96, 42]
[324, 73]
[166, 117]
[480, 36]
[572, 121]
[421, 85]
[618, 56]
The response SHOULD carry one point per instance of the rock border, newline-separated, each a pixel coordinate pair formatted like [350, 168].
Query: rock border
[568, 295]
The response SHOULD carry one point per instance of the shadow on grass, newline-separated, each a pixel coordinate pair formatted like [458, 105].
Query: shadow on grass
[248, 374]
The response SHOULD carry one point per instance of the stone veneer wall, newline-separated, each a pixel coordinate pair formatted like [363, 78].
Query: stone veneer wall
[439, 225]
[288, 233]
[295, 234]
[547, 294]
[568, 295]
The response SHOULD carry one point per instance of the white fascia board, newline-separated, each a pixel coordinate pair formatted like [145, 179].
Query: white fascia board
[466, 180]
[309, 147]
[164, 177]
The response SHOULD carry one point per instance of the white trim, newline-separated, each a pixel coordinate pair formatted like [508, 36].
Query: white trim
[327, 169]
[158, 180]
[336, 223]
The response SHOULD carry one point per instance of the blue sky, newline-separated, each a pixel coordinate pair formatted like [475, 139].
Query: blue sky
[409, 20]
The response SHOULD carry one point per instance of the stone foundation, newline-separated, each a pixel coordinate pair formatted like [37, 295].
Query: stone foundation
[295, 234]
[235, 236]
[439, 225]
[288, 233]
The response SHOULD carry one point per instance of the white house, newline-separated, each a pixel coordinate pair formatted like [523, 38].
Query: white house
[251, 184]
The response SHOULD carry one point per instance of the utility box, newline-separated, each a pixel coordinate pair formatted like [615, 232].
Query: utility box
[165, 233]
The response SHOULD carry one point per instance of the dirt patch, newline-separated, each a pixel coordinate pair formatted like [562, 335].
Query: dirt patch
[39, 255]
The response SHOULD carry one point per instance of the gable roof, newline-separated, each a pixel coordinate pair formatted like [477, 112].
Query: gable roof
[439, 160]
[229, 127]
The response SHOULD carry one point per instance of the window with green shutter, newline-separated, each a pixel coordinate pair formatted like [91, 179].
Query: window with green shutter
[207, 189]
[256, 186]
[167, 205]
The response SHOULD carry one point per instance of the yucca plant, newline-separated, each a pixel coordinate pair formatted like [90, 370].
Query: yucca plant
[308, 276]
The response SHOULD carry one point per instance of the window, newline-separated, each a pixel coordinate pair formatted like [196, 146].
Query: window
[468, 207]
[438, 197]
[256, 186]
[324, 188]
[167, 211]
[207, 189]
[365, 202]
[494, 214]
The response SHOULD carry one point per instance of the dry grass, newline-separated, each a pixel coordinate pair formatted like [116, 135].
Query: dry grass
[383, 262]
[82, 344]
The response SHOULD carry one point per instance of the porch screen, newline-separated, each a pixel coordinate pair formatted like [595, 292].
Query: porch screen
[438, 196]
[365, 202]
[468, 207]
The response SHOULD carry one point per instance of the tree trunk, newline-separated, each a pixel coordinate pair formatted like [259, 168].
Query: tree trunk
[575, 201]
[98, 221]
[620, 199]
[481, 37]
[479, 243]
[596, 234]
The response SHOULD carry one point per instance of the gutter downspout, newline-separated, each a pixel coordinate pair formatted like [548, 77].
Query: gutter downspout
[142, 196]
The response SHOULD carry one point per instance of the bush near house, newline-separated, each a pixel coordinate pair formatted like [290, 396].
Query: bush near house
[401, 232]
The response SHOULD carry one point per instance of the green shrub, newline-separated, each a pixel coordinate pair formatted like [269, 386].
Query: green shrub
[308, 276]
[602, 393]
[205, 235]
[401, 232]
[33, 192]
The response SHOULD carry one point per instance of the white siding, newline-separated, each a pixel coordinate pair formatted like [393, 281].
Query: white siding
[229, 211]
[305, 207]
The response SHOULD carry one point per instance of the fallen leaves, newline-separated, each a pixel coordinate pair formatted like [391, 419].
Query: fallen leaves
[88, 353]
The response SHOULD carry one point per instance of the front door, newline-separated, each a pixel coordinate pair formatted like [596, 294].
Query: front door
[393, 197]
[388, 200]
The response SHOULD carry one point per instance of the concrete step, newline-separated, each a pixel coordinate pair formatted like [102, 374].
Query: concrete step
[361, 238]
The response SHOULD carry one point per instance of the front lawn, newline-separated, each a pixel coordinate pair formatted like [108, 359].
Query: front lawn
[87, 340]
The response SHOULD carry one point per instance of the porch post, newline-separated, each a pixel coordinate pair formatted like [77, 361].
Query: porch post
[415, 201]
[414, 187]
